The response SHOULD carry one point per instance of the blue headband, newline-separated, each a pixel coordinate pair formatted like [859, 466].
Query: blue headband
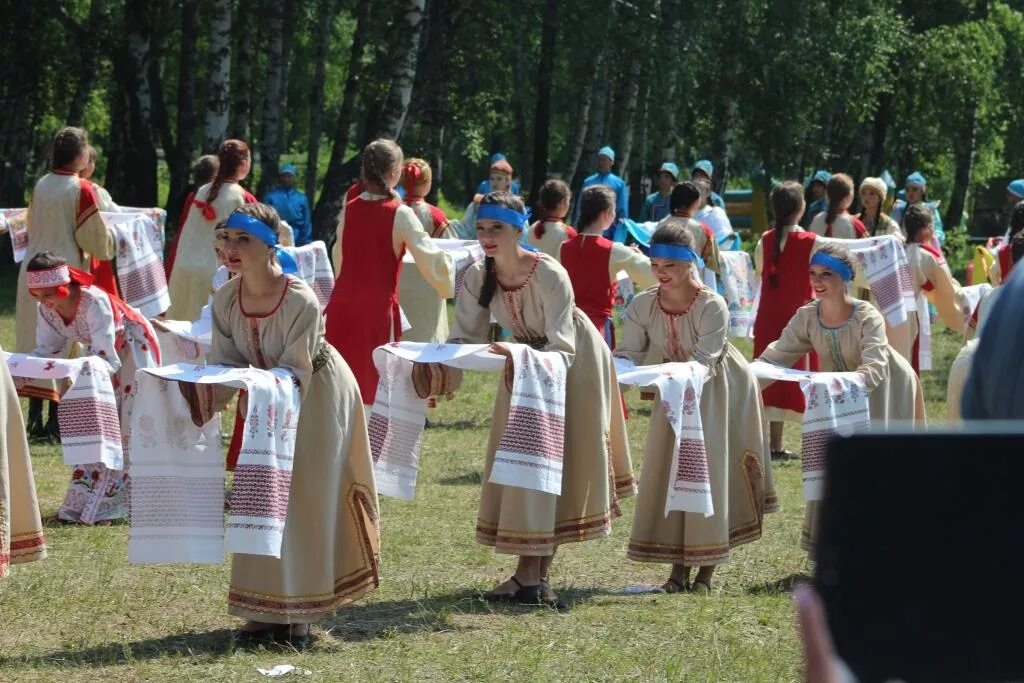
[265, 234]
[493, 212]
[833, 264]
[676, 253]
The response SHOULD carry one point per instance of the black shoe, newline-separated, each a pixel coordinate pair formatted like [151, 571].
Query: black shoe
[34, 424]
[494, 596]
[528, 595]
[550, 598]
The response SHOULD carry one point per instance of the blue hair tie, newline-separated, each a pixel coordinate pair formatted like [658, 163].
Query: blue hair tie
[676, 252]
[832, 263]
[287, 261]
[519, 221]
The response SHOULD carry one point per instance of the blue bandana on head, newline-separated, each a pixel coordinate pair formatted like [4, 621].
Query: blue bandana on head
[1017, 187]
[676, 252]
[494, 212]
[832, 263]
[264, 233]
[916, 178]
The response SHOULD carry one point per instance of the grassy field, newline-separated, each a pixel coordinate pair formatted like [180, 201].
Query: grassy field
[85, 614]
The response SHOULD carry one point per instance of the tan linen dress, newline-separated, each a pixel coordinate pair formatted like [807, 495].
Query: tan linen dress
[551, 241]
[21, 530]
[424, 308]
[739, 465]
[597, 470]
[56, 222]
[859, 345]
[330, 554]
[196, 261]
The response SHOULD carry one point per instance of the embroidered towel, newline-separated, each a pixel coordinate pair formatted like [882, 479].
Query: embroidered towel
[837, 402]
[883, 261]
[177, 475]
[740, 284]
[530, 451]
[679, 386]
[315, 269]
[13, 221]
[90, 429]
[262, 483]
[140, 267]
[970, 299]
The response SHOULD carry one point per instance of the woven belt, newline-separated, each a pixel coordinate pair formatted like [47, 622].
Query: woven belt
[536, 343]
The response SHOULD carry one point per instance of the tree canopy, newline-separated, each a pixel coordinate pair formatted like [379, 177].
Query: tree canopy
[777, 87]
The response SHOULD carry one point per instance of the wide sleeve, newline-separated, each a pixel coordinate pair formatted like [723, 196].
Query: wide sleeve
[622, 203]
[710, 254]
[792, 345]
[874, 357]
[435, 265]
[91, 234]
[102, 331]
[50, 343]
[222, 352]
[472, 321]
[303, 337]
[336, 249]
[712, 331]
[943, 291]
[559, 326]
[633, 261]
[635, 341]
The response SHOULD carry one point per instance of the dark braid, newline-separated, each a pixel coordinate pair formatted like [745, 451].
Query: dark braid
[839, 187]
[380, 158]
[231, 155]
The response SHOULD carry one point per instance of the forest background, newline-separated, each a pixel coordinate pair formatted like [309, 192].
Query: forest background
[764, 88]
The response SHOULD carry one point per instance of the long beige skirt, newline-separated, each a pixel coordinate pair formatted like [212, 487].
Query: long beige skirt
[597, 470]
[330, 554]
[739, 466]
[21, 531]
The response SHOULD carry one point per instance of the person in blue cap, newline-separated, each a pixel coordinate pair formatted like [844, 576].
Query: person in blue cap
[485, 185]
[916, 190]
[604, 176]
[705, 169]
[1015, 192]
[292, 205]
[656, 206]
[818, 186]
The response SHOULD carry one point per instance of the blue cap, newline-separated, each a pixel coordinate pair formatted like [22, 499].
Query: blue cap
[287, 168]
[1016, 187]
[606, 152]
[498, 156]
[916, 178]
[820, 176]
[671, 169]
[704, 165]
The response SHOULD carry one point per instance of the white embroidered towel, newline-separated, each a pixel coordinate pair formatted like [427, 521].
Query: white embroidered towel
[13, 221]
[262, 482]
[740, 284]
[837, 403]
[679, 386]
[529, 452]
[90, 429]
[140, 267]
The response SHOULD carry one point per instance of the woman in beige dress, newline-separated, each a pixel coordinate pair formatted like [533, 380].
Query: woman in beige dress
[529, 293]
[681, 320]
[876, 221]
[848, 336]
[330, 551]
[423, 306]
[195, 261]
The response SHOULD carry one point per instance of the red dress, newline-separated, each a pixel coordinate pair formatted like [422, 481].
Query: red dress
[587, 261]
[778, 305]
[1005, 256]
[363, 311]
[102, 271]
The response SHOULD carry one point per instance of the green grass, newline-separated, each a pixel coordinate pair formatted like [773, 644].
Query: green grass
[85, 614]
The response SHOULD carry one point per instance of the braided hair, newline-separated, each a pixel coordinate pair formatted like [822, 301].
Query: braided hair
[838, 189]
[231, 155]
[68, 144]
[381, 158]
